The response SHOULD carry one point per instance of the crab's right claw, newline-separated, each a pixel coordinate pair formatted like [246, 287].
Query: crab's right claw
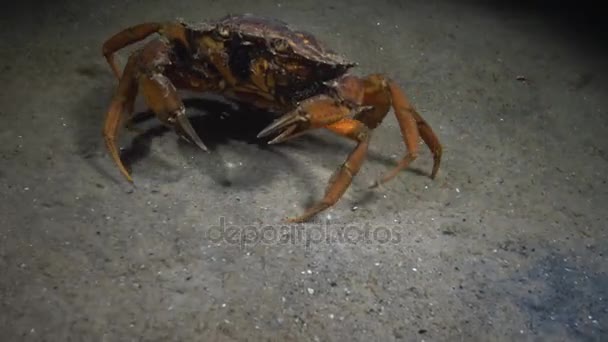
[184, 128]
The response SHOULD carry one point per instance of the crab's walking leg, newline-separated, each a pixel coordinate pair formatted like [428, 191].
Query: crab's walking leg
[137, 33]
[369, 101]
[412, 126]
[380, 93]
[144, 72]
[123, 38]
[430, 139]
[342, 178]
[122, 101]
[325, 112]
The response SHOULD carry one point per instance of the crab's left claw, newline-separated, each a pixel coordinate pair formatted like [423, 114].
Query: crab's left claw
[287, 123]
[316, 112]
[286, 135]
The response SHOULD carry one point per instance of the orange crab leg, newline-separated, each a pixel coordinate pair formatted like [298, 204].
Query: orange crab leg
[126, 37]
[412, 128]
[342, 178]
[370, 100]
[380, 92]
[160, 95]
[430, 139]
[137, 33]
[123, 100]
[325, 112]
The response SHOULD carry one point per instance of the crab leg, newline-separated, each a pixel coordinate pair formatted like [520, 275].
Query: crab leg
[380, 93]
[137, 33]
[160, 95]
[124, 38]
[412, 126]
[369, 100]
[330, 113]
[342, 177]
[123, 100]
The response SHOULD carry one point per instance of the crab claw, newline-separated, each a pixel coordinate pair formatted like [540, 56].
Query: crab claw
[315, 112]
[288, 121]
[285, 135]
[183, 125]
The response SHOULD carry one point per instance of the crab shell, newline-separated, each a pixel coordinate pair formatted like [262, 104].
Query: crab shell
[280, 63]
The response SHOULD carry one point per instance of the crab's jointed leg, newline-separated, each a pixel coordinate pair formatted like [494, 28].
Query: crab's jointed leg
[343, 176]
[145, 71]
[368, 100]
[137, 33]
[412, 126]
[380, 93]
[325, 112]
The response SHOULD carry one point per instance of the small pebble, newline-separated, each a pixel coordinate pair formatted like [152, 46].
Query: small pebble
[311, 291]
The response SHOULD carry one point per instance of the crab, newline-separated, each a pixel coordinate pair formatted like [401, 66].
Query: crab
[265, 63]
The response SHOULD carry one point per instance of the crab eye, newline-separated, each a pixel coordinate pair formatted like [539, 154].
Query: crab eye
[279, 45]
